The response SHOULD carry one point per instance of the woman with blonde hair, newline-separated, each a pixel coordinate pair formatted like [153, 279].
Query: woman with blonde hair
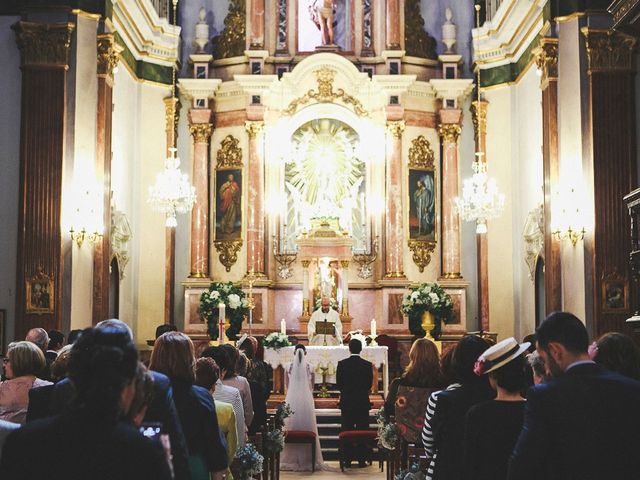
[24, 361]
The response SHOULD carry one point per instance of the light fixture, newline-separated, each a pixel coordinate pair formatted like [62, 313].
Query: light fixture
[172, 192]
[86, 223]
[80, 236]
[566, 220]
[481, 200]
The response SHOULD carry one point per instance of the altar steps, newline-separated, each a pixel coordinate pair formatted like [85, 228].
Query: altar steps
[329, 427]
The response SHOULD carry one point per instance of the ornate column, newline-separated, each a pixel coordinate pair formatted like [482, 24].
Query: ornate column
[479, 117]
[393, 25]
[171, 108]
[306, 311]
[345, 288]
[201, 130]
[108, 55]
[546, 57]
[44, 50]
[394, 238]
[255, 199]
[257, 25]
[449, 133]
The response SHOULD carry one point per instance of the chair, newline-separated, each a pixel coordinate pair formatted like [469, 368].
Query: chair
[410, 407]
[305, 438]
[368, 438]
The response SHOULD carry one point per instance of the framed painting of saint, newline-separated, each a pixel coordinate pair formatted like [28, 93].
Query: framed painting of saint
[40, 295]
[422, 205]
[228, 204]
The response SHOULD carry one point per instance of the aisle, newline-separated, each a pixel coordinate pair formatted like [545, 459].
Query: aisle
[372, 472]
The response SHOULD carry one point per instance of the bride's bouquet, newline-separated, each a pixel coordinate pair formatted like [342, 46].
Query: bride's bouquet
[249, 461]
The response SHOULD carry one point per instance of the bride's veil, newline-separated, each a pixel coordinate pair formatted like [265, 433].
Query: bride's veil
[300, 397]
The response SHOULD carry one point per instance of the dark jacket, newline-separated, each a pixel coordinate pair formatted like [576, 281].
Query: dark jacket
[78, 446]
[56, 399]
[583, 425]
[353, 378]
[448, 425]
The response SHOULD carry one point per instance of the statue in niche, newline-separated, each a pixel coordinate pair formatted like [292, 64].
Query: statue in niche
[322, 15]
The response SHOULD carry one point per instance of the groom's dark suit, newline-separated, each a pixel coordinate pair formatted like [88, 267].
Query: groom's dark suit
[582, 426]
[353, 378]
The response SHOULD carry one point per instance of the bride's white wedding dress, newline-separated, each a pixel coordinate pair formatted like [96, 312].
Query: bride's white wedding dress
[300, 398]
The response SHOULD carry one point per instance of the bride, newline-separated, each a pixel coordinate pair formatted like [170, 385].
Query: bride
[300, 399]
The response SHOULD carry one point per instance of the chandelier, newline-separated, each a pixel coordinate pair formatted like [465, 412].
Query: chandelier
[172, 193]
[481, 200]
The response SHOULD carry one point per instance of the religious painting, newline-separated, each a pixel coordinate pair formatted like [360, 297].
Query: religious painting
[615, 294]
[228, 204]
[422, 205]
[40, 294]
[324, 23]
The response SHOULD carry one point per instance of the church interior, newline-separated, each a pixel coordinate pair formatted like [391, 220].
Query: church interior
[157, 152]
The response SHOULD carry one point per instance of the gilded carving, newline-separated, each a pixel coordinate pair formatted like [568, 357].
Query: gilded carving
[421, 252]
[230, 153]
[231, 42]
[108, 54]
[421, 154]
[546, 58]
[418, 43]
[479, 117]
[326, 94]
[253, 128]
[44, 44]
[305, 263]
[396, 128]
[609, 51]
[228, 252]
[449, 132]
[344, 263]
[201, 132]
[533, 236]
[171, 116]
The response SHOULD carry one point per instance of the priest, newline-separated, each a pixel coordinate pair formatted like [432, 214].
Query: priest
[324, 314]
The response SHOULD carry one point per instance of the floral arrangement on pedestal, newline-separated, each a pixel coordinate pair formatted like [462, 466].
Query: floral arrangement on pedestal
[276, 341]
[388, 432]
[249, 461]
[236, 308]
[431, 298]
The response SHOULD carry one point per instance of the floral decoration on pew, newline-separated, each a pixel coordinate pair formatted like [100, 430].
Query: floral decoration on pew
[276, 341]
[236, 308]
[388, 433]
[249, 461]
[412, 473]
[283, 412]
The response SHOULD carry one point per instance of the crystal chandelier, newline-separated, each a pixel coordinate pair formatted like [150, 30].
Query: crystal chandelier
[481, 200]
[172, 193]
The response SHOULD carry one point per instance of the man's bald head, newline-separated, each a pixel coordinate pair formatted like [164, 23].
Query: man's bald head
[117, 325]
[39, 336]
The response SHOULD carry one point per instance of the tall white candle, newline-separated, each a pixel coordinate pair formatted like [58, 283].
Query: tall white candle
[221, 317]
[283, 327]
[373, 327]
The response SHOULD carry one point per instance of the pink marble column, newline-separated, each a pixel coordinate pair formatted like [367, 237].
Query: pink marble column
[394, 228]
[255, 199]
[449, 131]
[257, 24]
[201, 130]
[393, 24]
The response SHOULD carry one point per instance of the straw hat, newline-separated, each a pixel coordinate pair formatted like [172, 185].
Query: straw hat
[498, 355]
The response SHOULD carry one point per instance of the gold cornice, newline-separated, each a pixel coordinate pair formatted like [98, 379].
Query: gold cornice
[253, 128]
[421, 253]
[108, 54]
[608, 51]
[91, 16]
[479, 117]
[396, 128]
[449, 132]
[228, 252]
[421, 154]
[546, 57]
[44, 44]
[201, 132]
[230, 153]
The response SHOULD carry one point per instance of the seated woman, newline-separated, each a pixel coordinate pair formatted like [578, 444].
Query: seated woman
[232, 379]
[23, 362]
[492, 427]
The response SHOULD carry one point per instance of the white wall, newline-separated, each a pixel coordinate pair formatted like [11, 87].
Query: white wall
[10, 86]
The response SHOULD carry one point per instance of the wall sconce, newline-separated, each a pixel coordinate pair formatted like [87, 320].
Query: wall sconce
[87, 217]
[567, 221]
[80, 236]
[573, 235]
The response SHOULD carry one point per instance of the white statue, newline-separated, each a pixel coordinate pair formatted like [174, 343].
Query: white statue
[449, 32]
[202, 31]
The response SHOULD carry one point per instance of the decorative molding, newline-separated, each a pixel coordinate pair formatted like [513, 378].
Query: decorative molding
[546, 58]
[326, 94]
[199, 87]
[608, 51]
[421, 252]
[201, 132]
[230, 153]
[44, 44]
[396, 128]
[253, 128]
[533, 236]
[228, 252]
[478, 111]
[232, 41]
[421, 154]
[449, 132]
[108, 54]
[120, 236]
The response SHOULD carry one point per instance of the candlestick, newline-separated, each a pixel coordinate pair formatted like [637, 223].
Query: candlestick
[283, 327]
[221, 317]
[373, 327]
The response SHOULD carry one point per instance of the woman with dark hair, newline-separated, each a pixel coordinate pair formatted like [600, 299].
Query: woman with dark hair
[617, 352]
[232, 379]
[173, 355]
[492, 428]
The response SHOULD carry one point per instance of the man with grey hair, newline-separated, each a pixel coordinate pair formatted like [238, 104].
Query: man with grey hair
[40, 337]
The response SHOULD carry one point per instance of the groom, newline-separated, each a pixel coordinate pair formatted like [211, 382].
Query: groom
[353, 378]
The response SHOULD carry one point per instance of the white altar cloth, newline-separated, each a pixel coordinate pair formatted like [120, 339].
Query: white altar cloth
[328, 357]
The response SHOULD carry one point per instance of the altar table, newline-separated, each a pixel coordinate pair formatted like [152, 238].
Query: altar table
[328, 357]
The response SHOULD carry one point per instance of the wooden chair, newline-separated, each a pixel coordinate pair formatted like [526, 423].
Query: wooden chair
[304, 438]
[367, 438]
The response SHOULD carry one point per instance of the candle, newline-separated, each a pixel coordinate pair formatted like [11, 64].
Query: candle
[221, 316]
[373, 327]
[283, 327]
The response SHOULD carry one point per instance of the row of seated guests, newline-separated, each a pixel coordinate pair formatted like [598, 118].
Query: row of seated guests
[579, 421]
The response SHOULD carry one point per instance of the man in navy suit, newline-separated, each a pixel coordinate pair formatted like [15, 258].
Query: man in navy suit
[584, 423]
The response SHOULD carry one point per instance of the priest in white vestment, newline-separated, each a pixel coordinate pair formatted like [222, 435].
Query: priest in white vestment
[325, 312]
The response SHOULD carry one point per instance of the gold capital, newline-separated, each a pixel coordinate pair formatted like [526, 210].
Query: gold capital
[44, 44]
[546, 58]
[201, 132]
[396, 128]
[253, 128]
[108, 54]
[305, 263]
[449, 132]
[608, 51]
[479, 117]
[344, 263]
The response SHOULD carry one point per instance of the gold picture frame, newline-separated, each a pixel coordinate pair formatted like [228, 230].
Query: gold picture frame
[615, 294]
[40, 294]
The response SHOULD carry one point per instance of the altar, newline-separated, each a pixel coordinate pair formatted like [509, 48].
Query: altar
[326, 358]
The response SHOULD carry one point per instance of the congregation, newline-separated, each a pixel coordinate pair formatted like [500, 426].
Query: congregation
[551, 407]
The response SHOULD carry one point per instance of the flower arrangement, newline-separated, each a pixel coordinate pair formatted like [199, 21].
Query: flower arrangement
[276, 340]
[274, 441]
[333, 303]
[428, 297]
[235, 301]
[283, 412]
[388, 433]
[249, 461]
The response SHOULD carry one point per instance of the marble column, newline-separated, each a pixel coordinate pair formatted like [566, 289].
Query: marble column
[255, 199]
[305, 288]
[345, 287]
[394, 238]
[449, 133]
[393, 25]
[201, 129]
[257, 24]
[172, 108]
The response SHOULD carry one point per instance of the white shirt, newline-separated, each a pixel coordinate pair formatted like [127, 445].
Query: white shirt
[227, 394]
[242, 384]
[319, 316]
